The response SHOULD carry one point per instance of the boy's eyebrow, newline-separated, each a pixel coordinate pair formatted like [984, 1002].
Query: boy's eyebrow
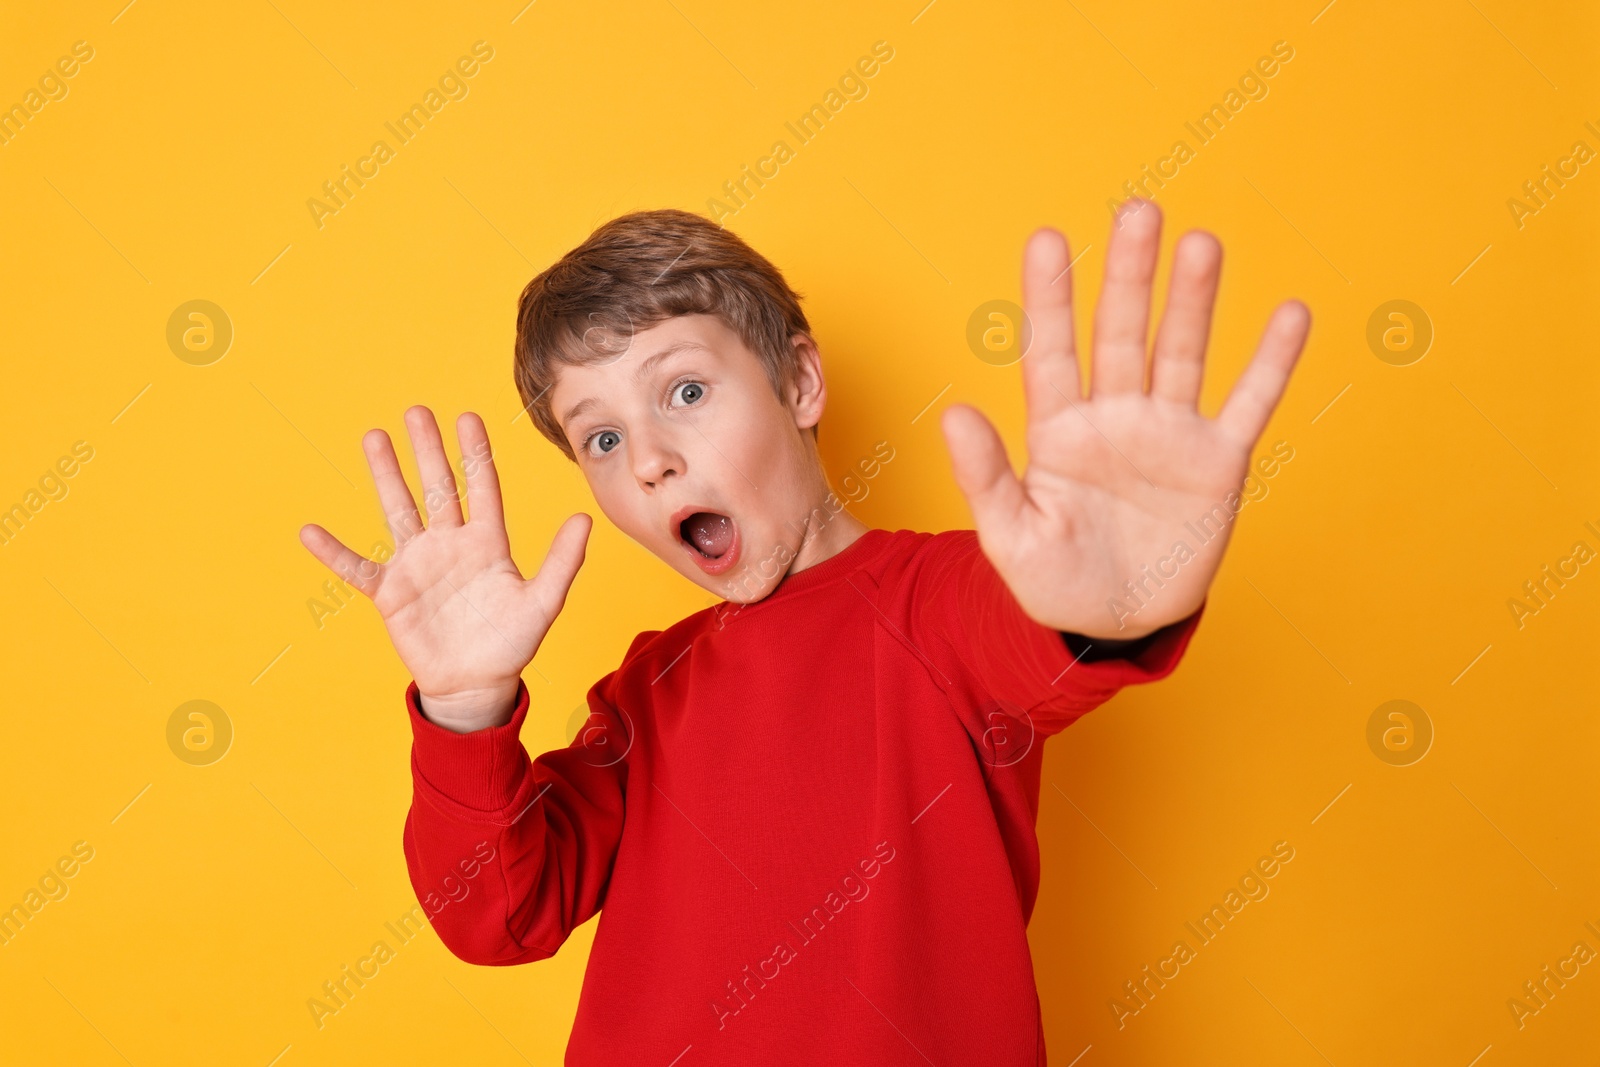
[644, 368]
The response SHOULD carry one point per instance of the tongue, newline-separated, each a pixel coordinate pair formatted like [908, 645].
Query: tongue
[709, 532]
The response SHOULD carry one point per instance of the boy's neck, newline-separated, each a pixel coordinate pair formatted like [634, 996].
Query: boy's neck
[826, 538]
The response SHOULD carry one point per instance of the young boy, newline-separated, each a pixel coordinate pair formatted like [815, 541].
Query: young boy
[808, 812]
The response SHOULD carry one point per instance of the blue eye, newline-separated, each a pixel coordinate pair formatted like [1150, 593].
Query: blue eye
[685, 388]
[601, 437]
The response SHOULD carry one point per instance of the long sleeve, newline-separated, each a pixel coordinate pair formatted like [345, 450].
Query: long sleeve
[965, 605]
[509, 855]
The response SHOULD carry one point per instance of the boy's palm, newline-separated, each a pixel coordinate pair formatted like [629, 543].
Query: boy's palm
[459, 613]
[1113, 478]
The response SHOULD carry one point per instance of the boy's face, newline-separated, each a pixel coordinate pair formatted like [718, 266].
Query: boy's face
[683, 443]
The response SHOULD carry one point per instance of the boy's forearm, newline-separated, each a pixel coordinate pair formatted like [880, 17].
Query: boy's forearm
[479, 801]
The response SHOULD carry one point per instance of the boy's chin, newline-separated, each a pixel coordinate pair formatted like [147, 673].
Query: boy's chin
[737, 587]
[747, 593]
[742, 585]
[738, 575]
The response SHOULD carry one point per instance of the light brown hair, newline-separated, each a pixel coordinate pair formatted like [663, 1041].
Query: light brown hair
[634, 272]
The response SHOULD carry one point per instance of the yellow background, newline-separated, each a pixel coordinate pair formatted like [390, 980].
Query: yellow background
[1378, 568]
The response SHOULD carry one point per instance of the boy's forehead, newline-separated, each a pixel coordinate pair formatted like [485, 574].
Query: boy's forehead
[708, 331]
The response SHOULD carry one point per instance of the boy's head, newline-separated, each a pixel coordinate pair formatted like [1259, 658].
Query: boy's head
[673, 364]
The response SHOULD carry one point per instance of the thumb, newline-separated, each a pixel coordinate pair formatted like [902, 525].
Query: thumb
[548, 587]
[982, 471]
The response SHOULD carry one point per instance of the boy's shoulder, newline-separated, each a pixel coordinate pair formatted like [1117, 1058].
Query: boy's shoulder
[909, 553]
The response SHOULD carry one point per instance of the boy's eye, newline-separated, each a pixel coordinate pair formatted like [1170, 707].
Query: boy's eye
[690, 391]
[606, 439]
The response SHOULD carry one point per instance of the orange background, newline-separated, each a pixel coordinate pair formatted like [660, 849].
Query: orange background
[1420, 498]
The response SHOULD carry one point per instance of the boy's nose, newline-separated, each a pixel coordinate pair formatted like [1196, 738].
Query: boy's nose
[655, 458]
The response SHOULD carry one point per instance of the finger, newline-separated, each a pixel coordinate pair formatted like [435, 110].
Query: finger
[440, 499]
[549, 585]
[1050, 363]
[394, 496]
[477, 467]
[981, 469]
[365, 574]
[1178, 366]
[1122, 316]
[1244, 416]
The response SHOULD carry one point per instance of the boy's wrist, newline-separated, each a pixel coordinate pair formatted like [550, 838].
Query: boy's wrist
[478, 770]
[1091, 649]
[471, 710]
[1086, 649]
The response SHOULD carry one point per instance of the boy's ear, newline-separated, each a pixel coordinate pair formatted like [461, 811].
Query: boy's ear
[806, 393]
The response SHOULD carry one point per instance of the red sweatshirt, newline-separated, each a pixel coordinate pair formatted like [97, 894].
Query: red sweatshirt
[809, 821]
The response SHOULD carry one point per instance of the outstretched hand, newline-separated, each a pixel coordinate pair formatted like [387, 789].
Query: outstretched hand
[459, 613]
[1117, 481]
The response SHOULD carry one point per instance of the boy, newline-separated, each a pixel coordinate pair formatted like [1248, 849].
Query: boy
[808, 812]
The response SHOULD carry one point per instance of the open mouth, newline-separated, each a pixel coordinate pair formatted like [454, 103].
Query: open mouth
[710, 537]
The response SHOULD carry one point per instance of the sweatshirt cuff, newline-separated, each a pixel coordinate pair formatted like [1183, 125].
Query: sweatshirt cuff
[1146, 659]
[481, 770]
